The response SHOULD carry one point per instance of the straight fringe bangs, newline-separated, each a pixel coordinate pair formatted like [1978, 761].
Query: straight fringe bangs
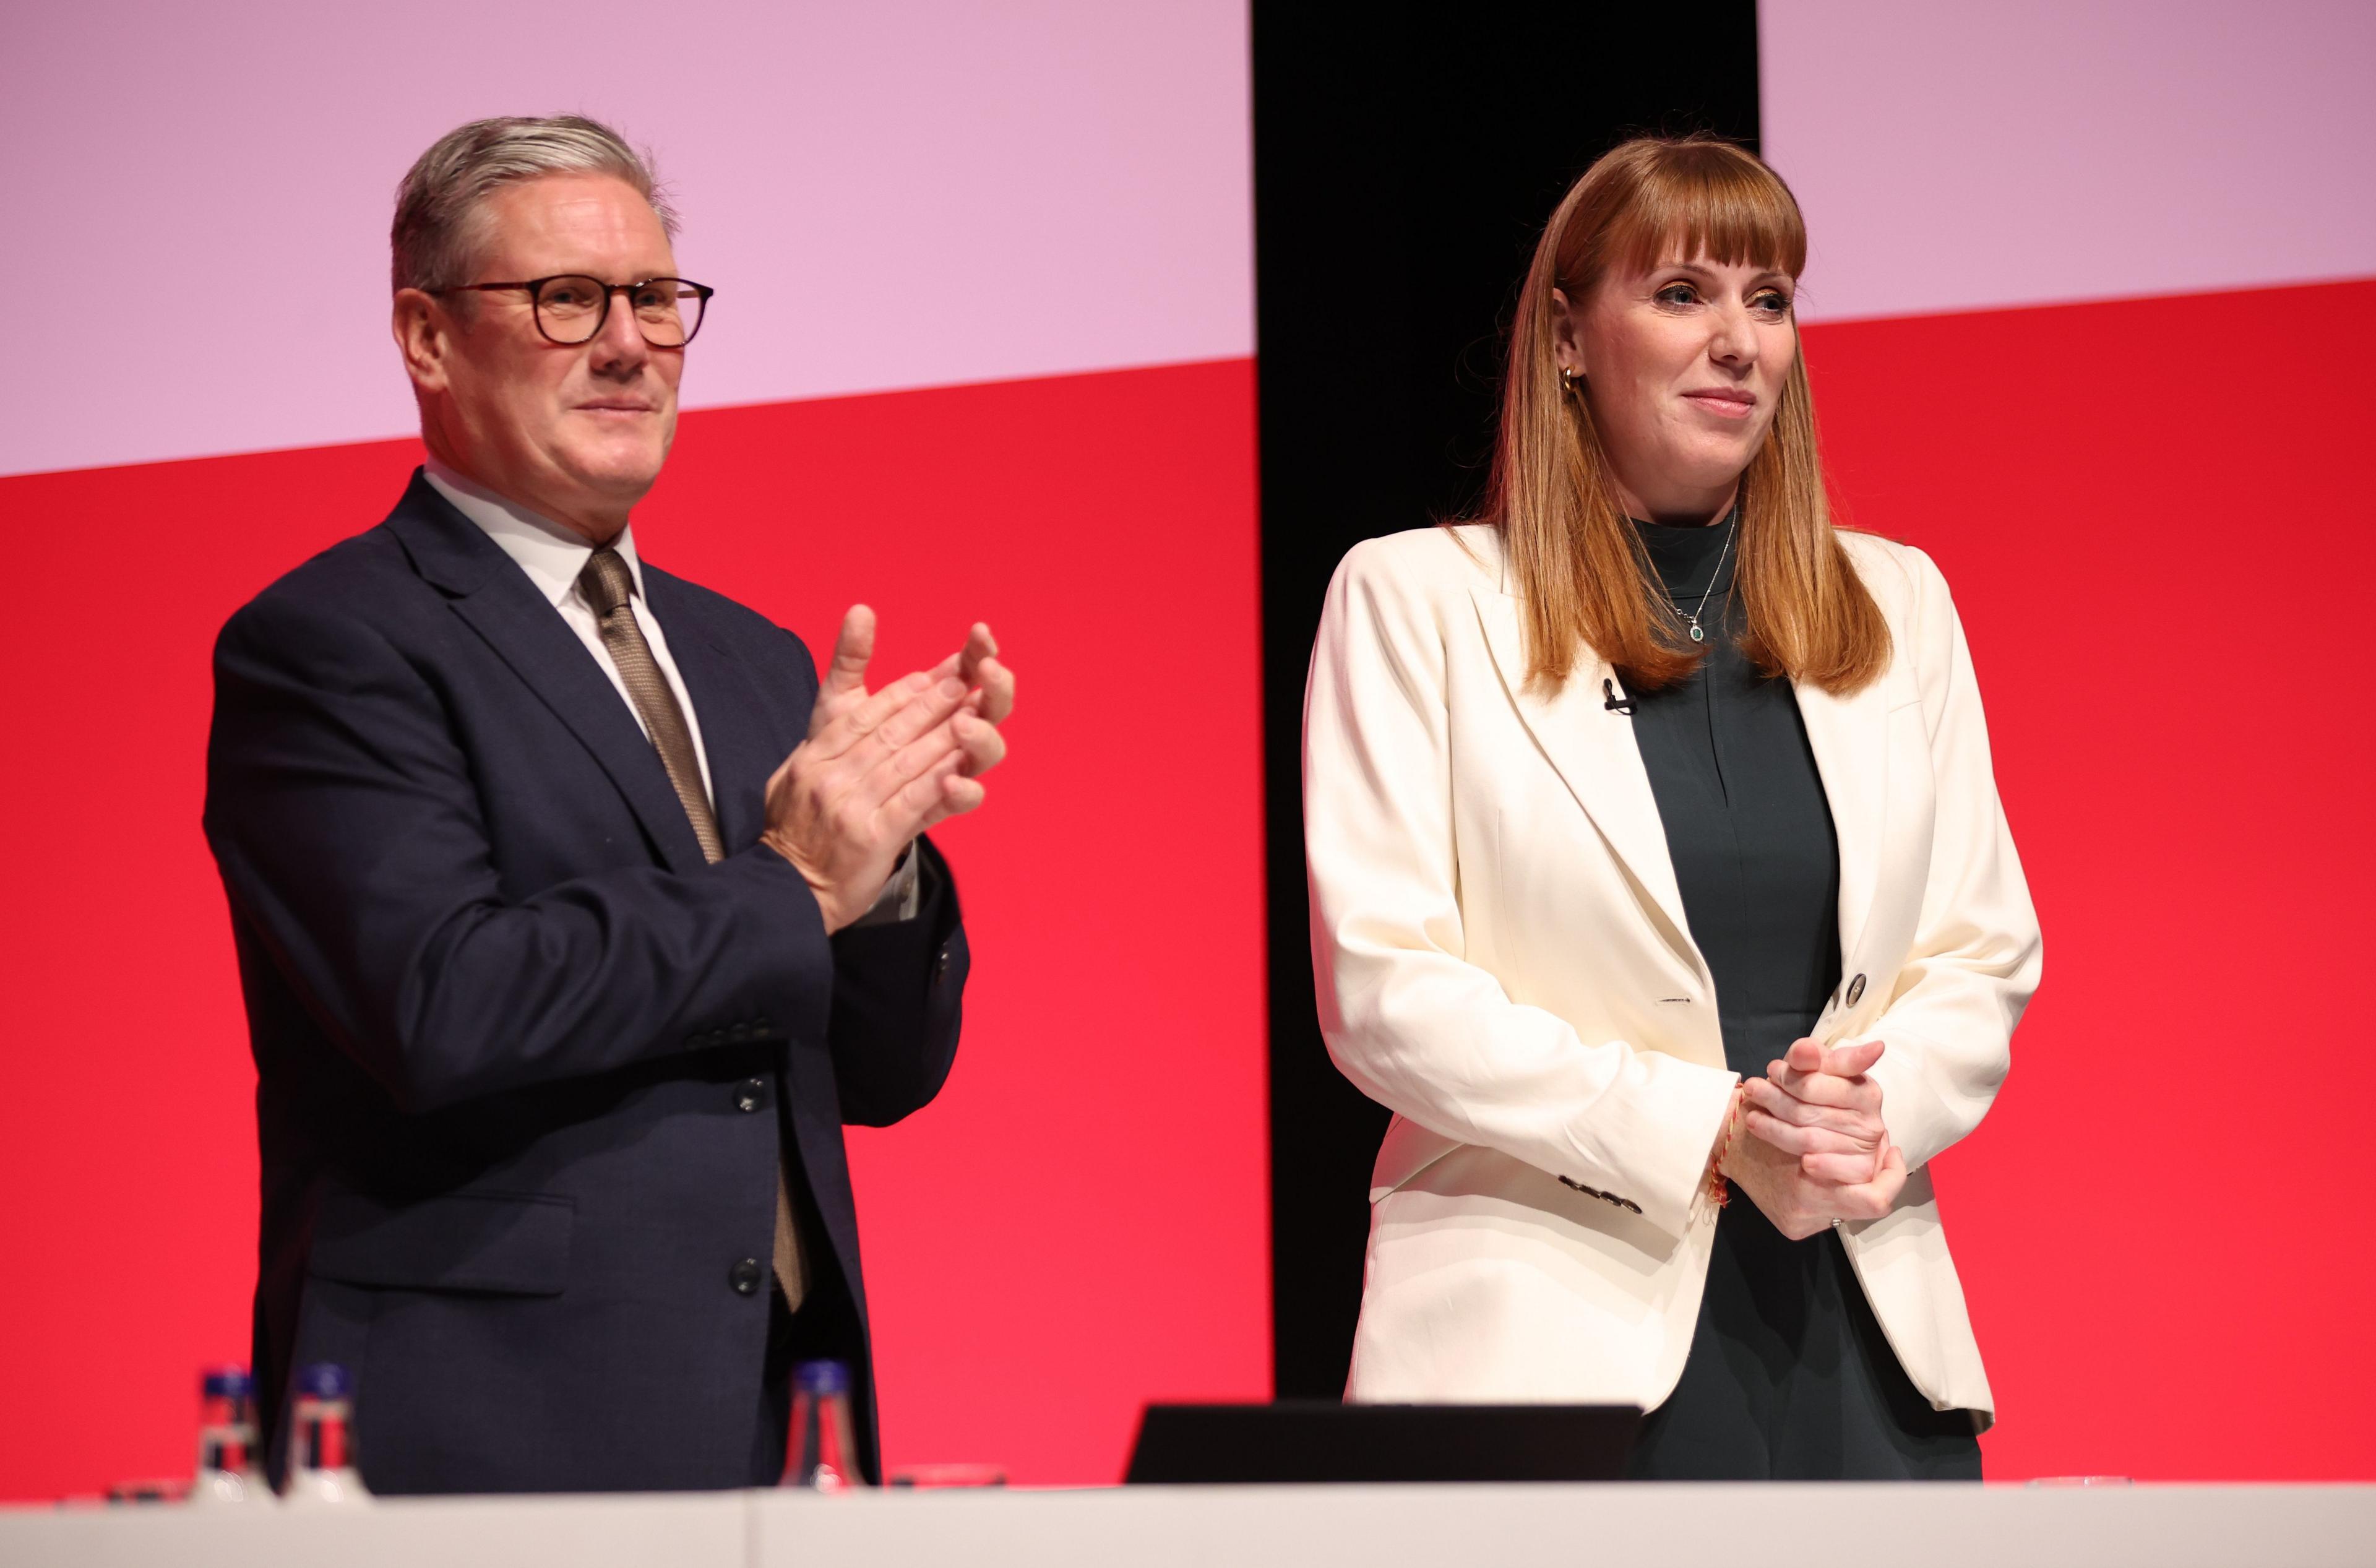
[1582, 578]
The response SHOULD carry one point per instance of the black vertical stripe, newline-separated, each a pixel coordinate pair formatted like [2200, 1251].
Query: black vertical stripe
[1405, 158]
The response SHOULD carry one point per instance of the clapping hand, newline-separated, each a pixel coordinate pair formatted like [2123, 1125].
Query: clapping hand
[1815, 1149]
[879, 767]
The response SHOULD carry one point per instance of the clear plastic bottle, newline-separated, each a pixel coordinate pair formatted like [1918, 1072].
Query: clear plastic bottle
[228, 1470]
[822, 1450]
[321, 1440]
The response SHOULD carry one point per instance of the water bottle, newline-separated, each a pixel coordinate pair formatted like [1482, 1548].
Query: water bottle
[822, 1451]
[228, 1470]
[322, 1449]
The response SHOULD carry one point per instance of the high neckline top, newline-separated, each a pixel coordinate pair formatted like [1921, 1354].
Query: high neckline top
[1685, 554]
[1749, 827]
[1788, 1375]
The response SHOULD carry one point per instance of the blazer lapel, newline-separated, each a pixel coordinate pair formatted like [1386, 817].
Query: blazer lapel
[1595, 754]
[1850, 739]
[499, 603]
[742, 755]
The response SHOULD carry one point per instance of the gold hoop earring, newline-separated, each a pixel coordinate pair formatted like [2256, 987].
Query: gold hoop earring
[1567, 380]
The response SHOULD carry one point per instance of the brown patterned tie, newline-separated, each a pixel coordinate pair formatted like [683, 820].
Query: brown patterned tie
[607, 587]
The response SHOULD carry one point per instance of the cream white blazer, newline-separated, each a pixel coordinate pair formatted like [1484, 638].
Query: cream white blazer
[1504, 961]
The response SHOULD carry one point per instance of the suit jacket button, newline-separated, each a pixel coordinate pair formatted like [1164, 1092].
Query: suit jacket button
[746, 1277]
[941, 966]
[1856, 991]
[751, 1094]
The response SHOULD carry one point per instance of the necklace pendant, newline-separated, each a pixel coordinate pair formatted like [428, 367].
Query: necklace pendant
[1698, 636]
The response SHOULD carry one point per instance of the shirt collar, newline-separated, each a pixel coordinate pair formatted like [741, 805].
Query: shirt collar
[550, 555]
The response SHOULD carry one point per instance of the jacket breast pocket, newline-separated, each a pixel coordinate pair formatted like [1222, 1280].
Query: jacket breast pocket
[501, 1243]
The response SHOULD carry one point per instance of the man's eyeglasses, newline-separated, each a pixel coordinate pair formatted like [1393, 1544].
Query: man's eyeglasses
[571, 309]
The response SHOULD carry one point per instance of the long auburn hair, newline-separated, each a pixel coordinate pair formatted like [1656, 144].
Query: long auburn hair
[1582, 575]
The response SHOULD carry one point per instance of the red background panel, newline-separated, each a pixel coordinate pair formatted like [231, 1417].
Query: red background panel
[1077, 1225]
[2159, 1225]
[2155, 518]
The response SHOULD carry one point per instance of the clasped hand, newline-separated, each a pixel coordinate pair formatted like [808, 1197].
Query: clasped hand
[1814, 1150]
[880, 768]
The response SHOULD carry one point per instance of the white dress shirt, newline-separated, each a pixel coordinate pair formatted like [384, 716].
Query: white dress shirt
[553, 556]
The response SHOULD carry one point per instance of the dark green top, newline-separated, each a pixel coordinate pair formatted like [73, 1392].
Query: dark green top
[1748, 824]
[1790, 1377]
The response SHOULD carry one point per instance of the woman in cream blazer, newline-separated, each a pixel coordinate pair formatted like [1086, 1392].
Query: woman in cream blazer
[1504, 955]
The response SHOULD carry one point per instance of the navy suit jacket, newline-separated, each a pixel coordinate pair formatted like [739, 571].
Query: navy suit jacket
[524, 1059]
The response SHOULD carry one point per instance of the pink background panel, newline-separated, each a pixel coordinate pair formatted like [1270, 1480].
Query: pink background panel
[899, 194]
[2034, 151]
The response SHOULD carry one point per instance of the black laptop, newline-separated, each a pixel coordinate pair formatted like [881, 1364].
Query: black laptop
[1321, 1440]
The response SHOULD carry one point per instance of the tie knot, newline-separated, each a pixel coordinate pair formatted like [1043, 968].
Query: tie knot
[606, 582]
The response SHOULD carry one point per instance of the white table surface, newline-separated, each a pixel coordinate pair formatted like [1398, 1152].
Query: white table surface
[1772, 1526]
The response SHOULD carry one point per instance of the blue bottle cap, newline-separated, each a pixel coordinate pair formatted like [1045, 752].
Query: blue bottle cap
[324, 1380]
[227, 1381]
[822, 1377]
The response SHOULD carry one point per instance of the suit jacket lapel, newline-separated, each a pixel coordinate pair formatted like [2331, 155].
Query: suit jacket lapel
[742, 754]
[499, 603]
[1597, 756]
[1850, 739]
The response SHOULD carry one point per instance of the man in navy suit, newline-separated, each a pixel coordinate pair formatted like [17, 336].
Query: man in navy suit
[575, 918]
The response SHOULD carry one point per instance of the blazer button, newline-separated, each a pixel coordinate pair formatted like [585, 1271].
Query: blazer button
[746, 1277]
[941, 966]
[1856, 991]
[751, 1094]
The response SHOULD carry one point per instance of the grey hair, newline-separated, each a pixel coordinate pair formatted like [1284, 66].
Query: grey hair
[440, 207]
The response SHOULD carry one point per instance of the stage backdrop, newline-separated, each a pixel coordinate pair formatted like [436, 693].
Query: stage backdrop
[980, 350]
[2087, 285]
[2084, 303]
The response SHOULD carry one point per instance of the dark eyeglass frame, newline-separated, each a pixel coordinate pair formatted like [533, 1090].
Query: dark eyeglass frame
[535, 286]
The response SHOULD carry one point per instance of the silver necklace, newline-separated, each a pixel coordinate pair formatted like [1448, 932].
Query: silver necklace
[1698, 636]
